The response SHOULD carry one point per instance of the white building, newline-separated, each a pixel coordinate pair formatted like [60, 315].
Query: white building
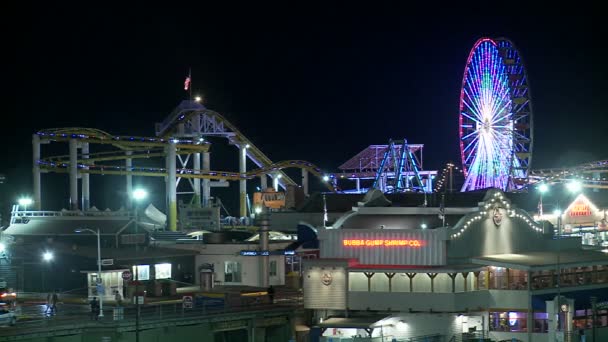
[237, 263]
[385, 274]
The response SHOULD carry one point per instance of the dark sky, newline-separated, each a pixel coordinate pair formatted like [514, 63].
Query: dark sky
[316, 83]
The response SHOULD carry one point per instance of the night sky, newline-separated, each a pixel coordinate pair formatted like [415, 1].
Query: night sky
[318, 83]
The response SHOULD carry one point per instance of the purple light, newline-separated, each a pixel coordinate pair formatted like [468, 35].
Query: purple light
[486, 119]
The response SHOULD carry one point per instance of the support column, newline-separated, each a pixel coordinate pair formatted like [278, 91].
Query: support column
[86, 198]
[129, 178]
[206, 187]
[36, 171]
[305, 181]
[73, 144]
[197, 181]
[453, 277]
[264, 182]
[530, 317]
[171, 187]
[390, 276]
[242, 181]
[275, 181]
[369, 276]
[466, 285]
[432, 276]
[411, 276]
[264, 223]
[358, 181]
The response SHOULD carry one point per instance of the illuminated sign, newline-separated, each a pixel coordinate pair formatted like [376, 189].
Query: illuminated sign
[580, 208]
[254, 253]
[382, 243]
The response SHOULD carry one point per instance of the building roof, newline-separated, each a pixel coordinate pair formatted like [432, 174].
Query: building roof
[366, 322]
[337, 202]
[417, 269]
[66, 225]
[125, 253]
[544, 260]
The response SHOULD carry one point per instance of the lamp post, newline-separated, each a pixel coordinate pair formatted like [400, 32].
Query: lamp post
[24, 202]
[542, 189]
[138, 195]
[99, 283]
[47, 257]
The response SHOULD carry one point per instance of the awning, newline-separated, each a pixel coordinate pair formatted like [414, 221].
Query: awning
[544, 260]
[365, 322]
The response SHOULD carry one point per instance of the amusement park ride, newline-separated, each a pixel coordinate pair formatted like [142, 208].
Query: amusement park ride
[496, 144]
[180, 138]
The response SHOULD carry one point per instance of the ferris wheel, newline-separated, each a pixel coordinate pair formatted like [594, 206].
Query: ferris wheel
[495, 124]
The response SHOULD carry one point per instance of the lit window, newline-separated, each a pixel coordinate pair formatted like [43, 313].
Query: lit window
[273, 268]
[232, 272]
[142, 272]
[162, 271]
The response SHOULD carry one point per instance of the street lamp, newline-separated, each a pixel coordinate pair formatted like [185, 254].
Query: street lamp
[542, 189]
[138, 195]
[574, 186]
[100, 284]
[47, 256]
[24, 202]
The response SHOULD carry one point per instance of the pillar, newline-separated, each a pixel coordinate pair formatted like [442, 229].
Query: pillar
[305, 181]
[73, 144]
[263, 182]
[264, 223]
[243, 181]
[464, 276]
[171, 187]
[129, 168]
[530, 317]
[275, 181]
[411, 276]
[36, 171]
[197, 181]
[206, 187]
[86, 197]
[358, 181]
[453, 277]
[390, 280]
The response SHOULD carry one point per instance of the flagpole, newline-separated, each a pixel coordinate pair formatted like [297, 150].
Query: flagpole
[324, 211]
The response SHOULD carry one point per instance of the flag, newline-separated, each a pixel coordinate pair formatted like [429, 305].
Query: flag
[187, 83]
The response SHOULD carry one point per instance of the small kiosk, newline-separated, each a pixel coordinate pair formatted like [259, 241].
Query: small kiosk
[111, 281]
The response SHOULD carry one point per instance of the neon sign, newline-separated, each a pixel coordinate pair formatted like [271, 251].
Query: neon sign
[382, 243]
[580, 208]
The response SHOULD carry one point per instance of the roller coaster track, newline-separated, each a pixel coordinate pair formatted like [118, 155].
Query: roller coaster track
[96, 136]
[193, 119]
[63, 167]
[557, 175]
[580, 172]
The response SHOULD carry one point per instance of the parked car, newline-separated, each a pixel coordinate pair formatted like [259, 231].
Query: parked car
[7, 316]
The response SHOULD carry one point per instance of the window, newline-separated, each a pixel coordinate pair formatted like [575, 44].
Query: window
[141, 272]
[162, 271]
[232, 272]
[273, 268]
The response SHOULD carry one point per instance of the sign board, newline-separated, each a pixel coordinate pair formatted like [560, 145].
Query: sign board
[107, 262]
[127, 275]
[253, 253]
[187, 302]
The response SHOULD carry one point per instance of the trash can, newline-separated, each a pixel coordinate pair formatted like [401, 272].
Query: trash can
[119, 313]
